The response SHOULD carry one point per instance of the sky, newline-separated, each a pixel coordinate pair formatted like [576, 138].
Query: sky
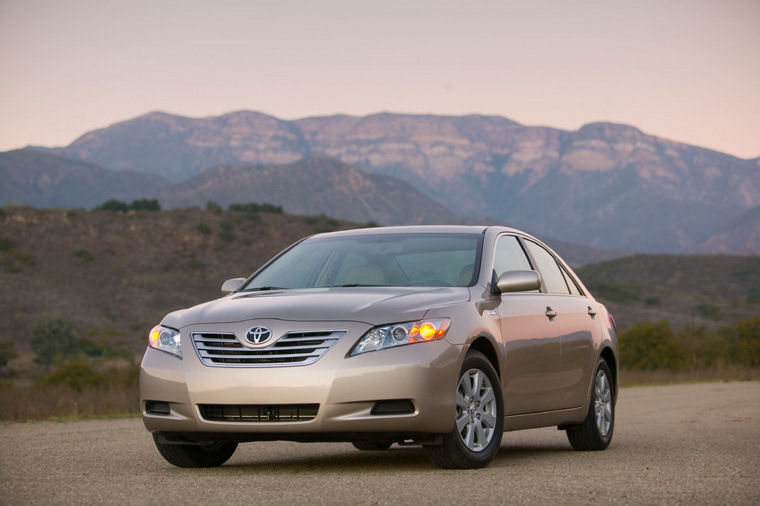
[687, 70]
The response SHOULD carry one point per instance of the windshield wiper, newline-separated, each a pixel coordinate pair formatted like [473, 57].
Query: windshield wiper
[263, 288]
[350, 285]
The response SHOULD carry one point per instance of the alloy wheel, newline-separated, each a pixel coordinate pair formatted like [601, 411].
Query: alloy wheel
[476, 410]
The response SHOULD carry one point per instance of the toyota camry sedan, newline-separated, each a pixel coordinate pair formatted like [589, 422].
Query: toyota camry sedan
[439, 336]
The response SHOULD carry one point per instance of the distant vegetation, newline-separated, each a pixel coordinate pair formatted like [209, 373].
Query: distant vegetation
[253, 207]
[648, 346]
[136, 205]
[686, 290]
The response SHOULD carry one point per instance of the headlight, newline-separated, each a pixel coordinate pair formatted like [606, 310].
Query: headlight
[399, 334]
[165, 339]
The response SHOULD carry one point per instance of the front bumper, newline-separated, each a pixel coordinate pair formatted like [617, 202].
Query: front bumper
[346, 388]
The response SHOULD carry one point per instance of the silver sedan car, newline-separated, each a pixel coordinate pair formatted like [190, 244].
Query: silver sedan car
[440, 336]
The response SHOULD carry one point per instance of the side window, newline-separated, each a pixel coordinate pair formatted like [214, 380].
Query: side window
[574, 290]
[554, 280]
[509, 256]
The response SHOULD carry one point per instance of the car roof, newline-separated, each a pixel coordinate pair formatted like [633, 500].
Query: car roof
[418, 229]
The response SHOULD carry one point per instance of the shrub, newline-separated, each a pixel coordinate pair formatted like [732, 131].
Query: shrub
[254, 207]
[710, 311]
[226, 233]
[52, 337]
[648, 345]
[7, 352]
[5, 244]
[113, 205]
[76, 375]
[203, 228]
[146, 205]
[14, 260]
[213, 207]
[85, 255]
[2, 214]
[742, 342]
[195, 265]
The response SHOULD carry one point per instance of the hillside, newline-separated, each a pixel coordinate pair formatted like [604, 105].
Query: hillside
[117, 274]
[34, 178]
[741, 235]
[604, 185]
[683, 289]
[315, 185]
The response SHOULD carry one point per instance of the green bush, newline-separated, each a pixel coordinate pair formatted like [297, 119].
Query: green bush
[7, 352]
[254, 207]
[113, 205]
[52, 338]
[203, 228]
[145, 205]
[5, 244]
[76, 375]
[648, 345]
[742, 342]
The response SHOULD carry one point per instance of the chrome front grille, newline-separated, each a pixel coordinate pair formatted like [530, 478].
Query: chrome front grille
[294, 348]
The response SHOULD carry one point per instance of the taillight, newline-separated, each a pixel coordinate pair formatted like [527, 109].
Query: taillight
[612, 322]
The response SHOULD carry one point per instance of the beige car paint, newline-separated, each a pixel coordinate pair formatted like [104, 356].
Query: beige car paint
[545, 364]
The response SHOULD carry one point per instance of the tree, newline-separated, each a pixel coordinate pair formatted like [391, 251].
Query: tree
[146, 205]
[113, 205]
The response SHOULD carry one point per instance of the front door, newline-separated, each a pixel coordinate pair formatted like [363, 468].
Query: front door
[532, 347]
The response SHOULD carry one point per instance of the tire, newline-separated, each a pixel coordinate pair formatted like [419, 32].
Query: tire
[207, 455]
[595, 433]
[372, 446]
[476, 437]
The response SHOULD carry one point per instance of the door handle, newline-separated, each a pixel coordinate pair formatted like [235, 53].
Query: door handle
[550, 313]
[591, 312]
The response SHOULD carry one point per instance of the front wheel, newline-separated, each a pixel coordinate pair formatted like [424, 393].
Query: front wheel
[201, 455]
[476, 437]
[595, 433]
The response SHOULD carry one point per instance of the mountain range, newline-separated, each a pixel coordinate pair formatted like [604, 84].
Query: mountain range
[604, 185]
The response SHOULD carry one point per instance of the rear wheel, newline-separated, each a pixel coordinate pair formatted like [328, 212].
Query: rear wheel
[202, 455]
[476, 437]
[372, 445]
[595, 433]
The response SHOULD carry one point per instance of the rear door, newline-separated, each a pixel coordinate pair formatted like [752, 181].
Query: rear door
[573, 321]
[532, 348]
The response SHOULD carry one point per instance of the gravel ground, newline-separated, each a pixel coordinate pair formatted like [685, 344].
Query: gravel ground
[672, 445]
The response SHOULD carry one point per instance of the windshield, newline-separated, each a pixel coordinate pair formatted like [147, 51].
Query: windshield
[375, 260]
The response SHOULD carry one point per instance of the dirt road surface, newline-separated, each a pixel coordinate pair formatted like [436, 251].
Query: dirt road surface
[679, 444]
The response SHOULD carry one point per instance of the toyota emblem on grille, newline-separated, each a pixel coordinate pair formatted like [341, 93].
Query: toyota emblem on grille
[258, 335]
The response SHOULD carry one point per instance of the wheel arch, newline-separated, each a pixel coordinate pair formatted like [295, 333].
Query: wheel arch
[609, 356]
[484, 345]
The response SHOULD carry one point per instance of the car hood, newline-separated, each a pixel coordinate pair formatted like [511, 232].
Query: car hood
[371, 305]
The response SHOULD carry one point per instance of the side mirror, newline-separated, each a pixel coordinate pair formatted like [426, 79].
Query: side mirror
[518, 281]
[232, 284]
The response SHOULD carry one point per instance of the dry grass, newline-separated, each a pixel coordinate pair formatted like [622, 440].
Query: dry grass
[661, 376]
[36, 403]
